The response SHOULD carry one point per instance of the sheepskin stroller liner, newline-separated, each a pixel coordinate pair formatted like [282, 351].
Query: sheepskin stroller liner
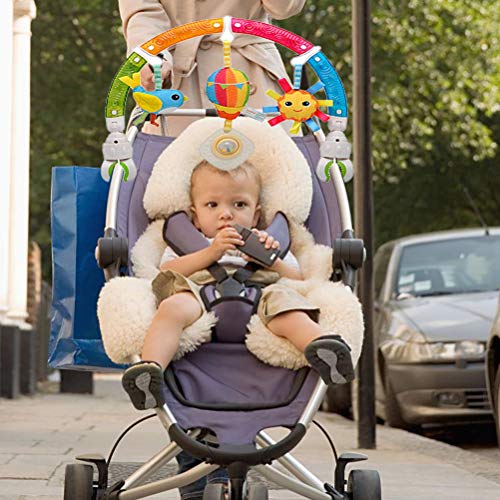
[215, 380]
[324, 217]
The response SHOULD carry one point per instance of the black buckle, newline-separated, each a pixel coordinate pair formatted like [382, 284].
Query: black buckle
[230, 287]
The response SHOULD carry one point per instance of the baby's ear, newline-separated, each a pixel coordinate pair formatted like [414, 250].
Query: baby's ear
[256, 217]
[194, 217]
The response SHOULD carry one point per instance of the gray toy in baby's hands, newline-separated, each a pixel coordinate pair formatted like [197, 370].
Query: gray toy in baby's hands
[255, 249]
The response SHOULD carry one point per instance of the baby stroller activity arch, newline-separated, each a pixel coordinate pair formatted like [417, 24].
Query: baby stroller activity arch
[220, 417]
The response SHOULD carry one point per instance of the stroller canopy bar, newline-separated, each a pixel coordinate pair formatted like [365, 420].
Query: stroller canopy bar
[148, 53]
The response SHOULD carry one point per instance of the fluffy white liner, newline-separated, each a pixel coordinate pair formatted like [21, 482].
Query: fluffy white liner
[340, 314]
[125, 309]
[286, 178]
[126, 306]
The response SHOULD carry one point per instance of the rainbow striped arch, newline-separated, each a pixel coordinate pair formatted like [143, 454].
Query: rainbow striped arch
[141, 55]
[228, 89]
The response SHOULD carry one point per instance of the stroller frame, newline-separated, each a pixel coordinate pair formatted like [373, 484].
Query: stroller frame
[300, 480]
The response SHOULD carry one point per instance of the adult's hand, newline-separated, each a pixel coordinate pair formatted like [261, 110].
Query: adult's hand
[147, 75]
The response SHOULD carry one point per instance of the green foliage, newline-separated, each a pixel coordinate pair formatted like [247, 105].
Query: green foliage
[77, 47]
[435, 92]
[435, 105]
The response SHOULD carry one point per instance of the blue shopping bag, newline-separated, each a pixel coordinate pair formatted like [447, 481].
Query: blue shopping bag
[78, 214]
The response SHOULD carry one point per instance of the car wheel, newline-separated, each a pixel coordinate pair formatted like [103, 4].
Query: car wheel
[78, 482]
[393, 416]
[496, 403]
[338, 400]
[364, 485]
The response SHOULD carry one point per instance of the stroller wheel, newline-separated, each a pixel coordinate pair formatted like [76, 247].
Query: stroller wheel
[214, 491]
[364, 485]
[78, 482]
[257, 491]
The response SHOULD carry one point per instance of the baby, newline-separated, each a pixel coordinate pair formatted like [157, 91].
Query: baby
[219, 200]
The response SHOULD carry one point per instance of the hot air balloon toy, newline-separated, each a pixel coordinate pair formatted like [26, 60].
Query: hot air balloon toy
[228, 88]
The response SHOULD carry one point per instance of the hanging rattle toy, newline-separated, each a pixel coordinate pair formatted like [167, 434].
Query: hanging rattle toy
[228, 88]
[297, 104]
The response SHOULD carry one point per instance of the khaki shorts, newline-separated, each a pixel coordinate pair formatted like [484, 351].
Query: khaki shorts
[276, 298]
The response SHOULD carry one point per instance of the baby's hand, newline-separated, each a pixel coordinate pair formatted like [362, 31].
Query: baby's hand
[226, 239]
[266, 239]
[147, 76]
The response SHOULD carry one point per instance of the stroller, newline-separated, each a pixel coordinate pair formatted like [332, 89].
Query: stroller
[214, 411]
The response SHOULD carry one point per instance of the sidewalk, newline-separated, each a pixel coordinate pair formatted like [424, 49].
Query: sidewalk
[40, 435]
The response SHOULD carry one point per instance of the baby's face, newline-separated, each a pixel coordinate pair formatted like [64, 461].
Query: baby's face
[220, 201]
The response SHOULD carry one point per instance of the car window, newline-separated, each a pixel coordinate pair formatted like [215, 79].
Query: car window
[381, 261]
[458, 265]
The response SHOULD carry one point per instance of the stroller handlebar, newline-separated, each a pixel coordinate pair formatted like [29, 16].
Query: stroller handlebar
[225, 454]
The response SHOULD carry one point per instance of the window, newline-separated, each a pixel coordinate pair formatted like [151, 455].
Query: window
[461, 265]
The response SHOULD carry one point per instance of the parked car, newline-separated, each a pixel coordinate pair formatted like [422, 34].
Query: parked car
[493, 370]
[435, 300]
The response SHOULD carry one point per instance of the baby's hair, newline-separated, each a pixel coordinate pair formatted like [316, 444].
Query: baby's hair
[246, 168]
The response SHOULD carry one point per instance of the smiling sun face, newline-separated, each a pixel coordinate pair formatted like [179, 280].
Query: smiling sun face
[297, 105]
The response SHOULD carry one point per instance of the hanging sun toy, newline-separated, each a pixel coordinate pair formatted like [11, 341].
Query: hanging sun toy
[296, 104]
[228, 88]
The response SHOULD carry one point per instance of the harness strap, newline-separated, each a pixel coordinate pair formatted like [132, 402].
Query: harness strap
[244, 273]
[182, 236]
[227, 286]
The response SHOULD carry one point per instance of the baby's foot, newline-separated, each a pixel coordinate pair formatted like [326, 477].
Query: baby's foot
[143, 383]
[330, 356]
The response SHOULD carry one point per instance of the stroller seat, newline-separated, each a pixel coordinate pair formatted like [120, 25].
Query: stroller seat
[221, 386]
[224, 388]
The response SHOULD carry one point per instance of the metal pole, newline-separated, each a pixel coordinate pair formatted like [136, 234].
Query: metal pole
[363, 211]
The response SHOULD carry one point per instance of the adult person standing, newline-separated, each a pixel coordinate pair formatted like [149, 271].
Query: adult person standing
[188, 64]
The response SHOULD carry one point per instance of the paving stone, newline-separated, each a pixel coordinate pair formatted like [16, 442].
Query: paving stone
[28, 460]
[39, 497]
[6, 458]
[40, 435]
[29, 450]
[12, 487]
[22, 471]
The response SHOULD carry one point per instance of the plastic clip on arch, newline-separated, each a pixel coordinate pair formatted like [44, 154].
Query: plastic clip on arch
[117, 150]
[335, 152]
